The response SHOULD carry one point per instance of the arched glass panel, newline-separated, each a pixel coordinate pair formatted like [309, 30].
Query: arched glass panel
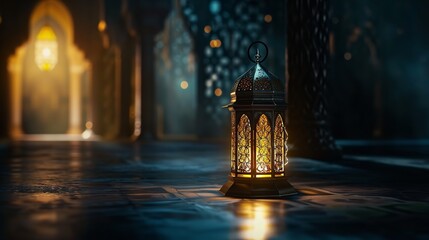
[233, 134]
[279, 145]
[263, 145]
[244, 145]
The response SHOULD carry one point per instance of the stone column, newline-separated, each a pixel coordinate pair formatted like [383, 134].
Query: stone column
[149, 20]
[137, 91]
[15, 71]
[75, 100]
[309, 131]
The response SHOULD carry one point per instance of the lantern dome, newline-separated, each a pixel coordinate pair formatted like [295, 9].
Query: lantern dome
[259, 86]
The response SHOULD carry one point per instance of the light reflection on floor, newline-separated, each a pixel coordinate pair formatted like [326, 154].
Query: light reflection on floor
[258, 219]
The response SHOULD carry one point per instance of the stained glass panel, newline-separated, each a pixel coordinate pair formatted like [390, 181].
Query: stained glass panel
[244, 145]
[263, 145]
[279, 145]
[233, 141]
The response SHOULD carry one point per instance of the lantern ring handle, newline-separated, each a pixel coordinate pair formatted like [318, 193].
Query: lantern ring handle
[251, 45]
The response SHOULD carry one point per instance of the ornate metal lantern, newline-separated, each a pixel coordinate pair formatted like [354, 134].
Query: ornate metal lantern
[258, 134]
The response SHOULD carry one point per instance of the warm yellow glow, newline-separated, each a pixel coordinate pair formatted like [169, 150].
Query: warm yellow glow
[260, 222]
[263, 145]
[279, 144]
[257, 222]
[244, 145]
[46, 33]
[51, 33]
[184, 84]
[46, 49]
[263, 175]
[233, 141]
[45, 197]
[87, 134]
[207, 29]
[215, 43]
[218, 92]
[244, 175]
[268, 18]
[102, 25]
[88, 125]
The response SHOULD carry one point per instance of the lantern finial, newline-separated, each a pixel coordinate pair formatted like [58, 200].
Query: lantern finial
[257, 55]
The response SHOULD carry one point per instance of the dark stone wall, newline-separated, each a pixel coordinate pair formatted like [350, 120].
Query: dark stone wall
[379, 86]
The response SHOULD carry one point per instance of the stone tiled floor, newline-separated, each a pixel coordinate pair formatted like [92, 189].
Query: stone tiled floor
[96, 190]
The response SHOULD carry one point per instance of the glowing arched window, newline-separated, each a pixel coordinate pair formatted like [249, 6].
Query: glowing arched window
[244, 145]
[279, 145]
[46, 49]
[263, 145]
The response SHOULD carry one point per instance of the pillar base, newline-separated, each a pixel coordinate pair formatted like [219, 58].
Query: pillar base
[257, 188]
[74, 130]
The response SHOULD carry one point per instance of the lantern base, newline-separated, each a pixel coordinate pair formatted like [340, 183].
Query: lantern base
[258, 188]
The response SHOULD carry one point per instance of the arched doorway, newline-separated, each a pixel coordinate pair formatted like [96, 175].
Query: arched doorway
[49, 77]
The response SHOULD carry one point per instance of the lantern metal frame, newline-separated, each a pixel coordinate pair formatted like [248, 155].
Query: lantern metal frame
[255, 93]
